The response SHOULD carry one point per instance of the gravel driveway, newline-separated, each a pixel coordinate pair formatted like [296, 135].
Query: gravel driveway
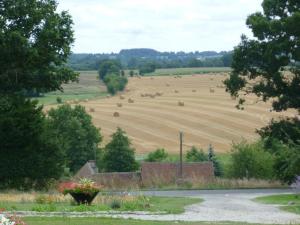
[234, 205]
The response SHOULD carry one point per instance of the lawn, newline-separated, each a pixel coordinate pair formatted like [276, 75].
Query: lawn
[110, 221]
[288, 202]
[88, 87]
[105, 203]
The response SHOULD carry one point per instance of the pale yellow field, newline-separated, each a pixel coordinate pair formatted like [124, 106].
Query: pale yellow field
[206, 117]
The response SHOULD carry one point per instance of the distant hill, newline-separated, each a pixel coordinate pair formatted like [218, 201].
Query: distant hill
[133, 58]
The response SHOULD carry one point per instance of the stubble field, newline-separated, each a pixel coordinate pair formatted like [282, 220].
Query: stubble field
[162, 106]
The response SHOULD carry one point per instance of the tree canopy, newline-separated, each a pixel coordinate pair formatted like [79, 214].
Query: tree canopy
[118, 154]
[269, 67]
[35, 42]
[78, 136]
[260, 65]
[109, 67]
[159, 155]
[29, 152]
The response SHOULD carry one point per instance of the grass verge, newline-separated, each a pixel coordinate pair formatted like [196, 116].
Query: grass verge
[110, 221]
[287, 202]
[131, 203]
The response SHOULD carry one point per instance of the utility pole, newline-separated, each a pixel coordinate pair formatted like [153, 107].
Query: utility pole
[180, 168]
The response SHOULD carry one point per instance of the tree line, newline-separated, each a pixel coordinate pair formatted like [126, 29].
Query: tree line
[137, 58]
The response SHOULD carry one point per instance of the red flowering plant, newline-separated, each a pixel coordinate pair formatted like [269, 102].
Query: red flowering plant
[83, 191]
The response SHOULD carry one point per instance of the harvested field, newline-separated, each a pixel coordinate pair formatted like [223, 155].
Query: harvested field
[207, 117]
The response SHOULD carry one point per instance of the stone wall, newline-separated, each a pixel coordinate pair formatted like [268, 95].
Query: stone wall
[152, 174]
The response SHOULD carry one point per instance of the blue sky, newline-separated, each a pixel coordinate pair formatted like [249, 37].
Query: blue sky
[164, 25]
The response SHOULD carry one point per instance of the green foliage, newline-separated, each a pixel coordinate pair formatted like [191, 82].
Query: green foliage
[78, 137]
[159, 155]
[131, 73]
[59, 100]
[285, 130]
[218, 169]
[30, 154]
[115, 204]
[227, 59]
[282, 139]
[259, 64]
[118, 155]
[35, 42]
[196, 155]
[251, 161]
[287, 162]
[147, 68]
[109, 66]
[115, 83]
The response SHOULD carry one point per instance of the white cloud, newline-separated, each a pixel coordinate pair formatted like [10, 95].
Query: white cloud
[166, 25]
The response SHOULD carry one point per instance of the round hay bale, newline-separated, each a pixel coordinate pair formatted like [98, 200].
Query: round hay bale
[211, 90]
[176, 91]
[130, 100]
[85, 100]
[168, 85]
[180, 103]
[152, 96]
[122, 97]
[76, 101]
[116, 114]
[119, 104]
[194, 90]
[107, 96]
[92, 110]
[158, 93]
[142, 95]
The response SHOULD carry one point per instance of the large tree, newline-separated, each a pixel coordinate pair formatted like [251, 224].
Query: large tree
[269, 67]
[35, 42]
[79, 138]
[260, 64]
[29, 152]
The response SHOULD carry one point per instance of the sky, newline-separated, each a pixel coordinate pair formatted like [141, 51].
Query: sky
[104, 26]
